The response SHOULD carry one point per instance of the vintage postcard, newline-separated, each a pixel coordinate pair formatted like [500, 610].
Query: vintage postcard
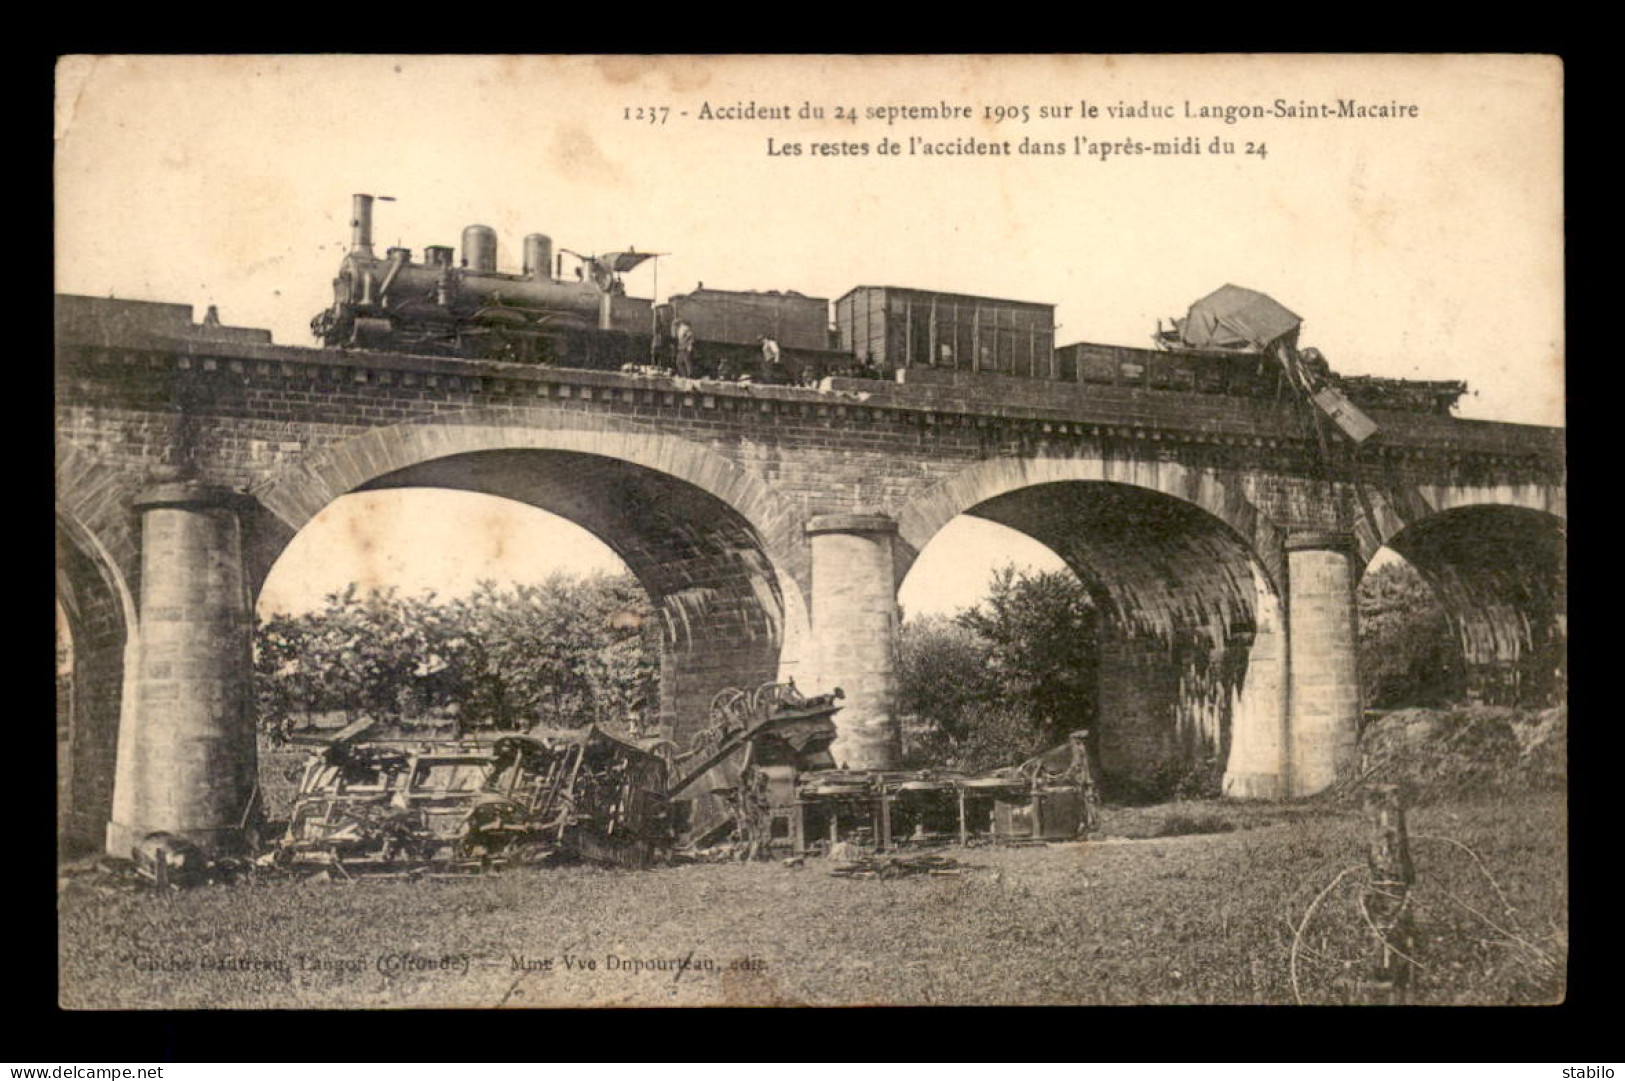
[810, 530]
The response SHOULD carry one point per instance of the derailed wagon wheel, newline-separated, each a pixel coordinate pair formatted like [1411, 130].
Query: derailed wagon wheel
[729, 710]
[763, 699]
[770, 696]
[722, 704]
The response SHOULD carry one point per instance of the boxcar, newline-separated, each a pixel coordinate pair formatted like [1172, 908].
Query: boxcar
[911, 328]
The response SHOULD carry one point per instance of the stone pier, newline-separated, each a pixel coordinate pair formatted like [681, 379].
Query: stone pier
[187, 762]
[1324, 636]
[854, 625]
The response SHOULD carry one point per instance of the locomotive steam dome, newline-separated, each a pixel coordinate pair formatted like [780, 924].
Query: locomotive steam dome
[538, 256]
[480, 249]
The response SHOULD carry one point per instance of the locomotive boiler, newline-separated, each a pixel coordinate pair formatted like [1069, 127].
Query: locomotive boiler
[468, 308]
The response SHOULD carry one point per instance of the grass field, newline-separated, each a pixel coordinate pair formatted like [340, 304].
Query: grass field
[1212, 917]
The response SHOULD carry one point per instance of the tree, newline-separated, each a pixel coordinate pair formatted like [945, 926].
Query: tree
[1042, 630]
[555, 653]
[999, 682]
[567, 651]
[943, 674]
[1409, 653]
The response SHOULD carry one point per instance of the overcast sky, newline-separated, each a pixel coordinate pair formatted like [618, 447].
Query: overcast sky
[1426, 248]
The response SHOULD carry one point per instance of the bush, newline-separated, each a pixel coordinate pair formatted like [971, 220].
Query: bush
[1172, 781]
[1001, 735]
[1438, 754]
[564, 652]
[1181, 825]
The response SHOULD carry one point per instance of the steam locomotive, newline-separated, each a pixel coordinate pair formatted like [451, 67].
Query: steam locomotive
[468, 308]
[472, 310]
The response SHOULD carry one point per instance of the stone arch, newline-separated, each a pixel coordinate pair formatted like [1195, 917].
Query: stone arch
[1497, 560]
[1390, 510]
[718, 552]
[1193, 664]
[986, 480]
[101, 618]
[93, 505]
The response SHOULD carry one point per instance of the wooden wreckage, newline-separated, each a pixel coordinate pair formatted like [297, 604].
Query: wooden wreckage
[772, 787]
[758, 781]
[1234, 321]
[473, 805]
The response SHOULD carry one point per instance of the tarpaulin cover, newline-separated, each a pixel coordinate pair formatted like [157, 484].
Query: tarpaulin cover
[1235, 318]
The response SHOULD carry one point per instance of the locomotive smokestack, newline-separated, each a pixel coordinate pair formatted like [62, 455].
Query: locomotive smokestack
[538, 256]
[480, 248]
[361, 225]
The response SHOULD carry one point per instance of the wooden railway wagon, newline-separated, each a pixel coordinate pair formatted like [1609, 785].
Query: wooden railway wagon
[722, 315]
[1242, 374]
[914, 328]
[1248, 375]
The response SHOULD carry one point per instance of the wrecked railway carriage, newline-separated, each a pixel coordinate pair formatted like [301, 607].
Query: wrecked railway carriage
[469, 805]
[758, 780]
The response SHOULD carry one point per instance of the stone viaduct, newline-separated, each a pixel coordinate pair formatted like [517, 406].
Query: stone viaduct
[771, 527]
